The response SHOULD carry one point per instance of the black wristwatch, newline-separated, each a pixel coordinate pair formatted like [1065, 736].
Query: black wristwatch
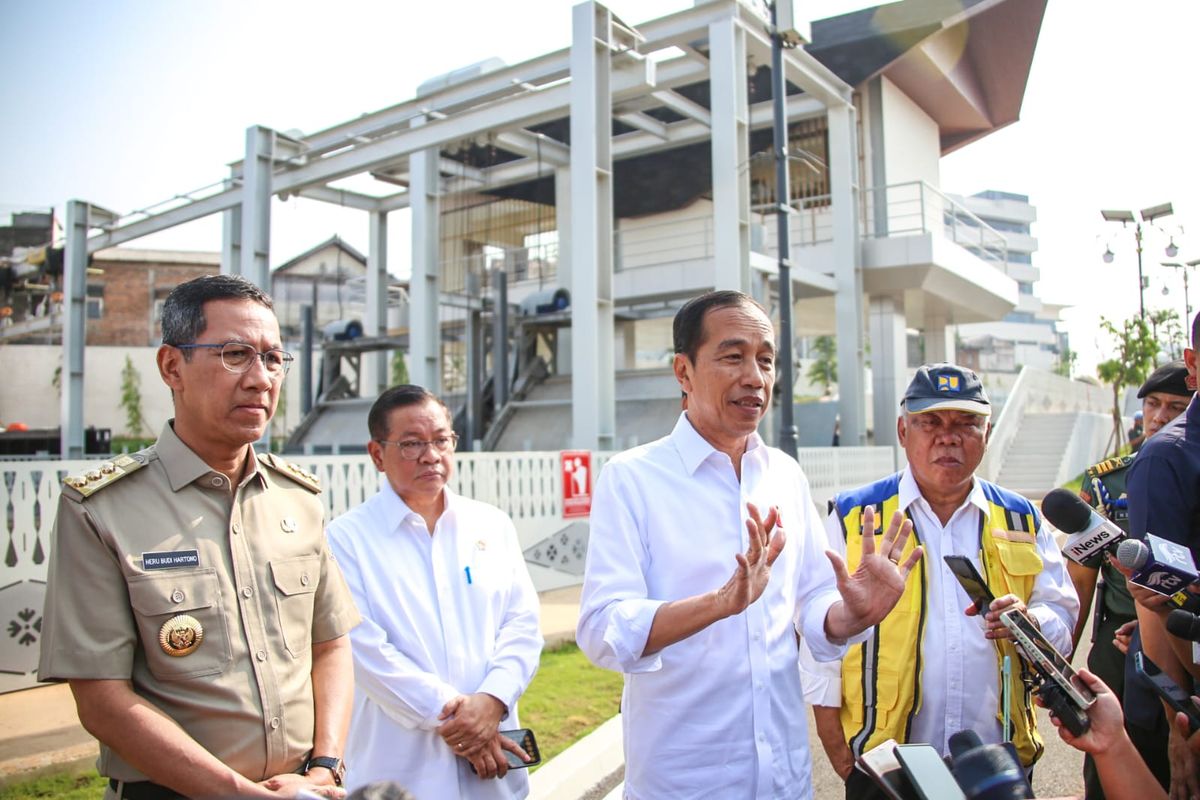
[334, 765]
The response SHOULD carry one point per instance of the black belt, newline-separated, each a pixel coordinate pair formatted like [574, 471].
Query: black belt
[143, 790]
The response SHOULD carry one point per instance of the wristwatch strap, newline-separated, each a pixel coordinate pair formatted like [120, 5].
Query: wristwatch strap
[334, 765]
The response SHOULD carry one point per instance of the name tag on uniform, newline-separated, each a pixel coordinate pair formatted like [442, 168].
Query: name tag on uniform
[171, 559]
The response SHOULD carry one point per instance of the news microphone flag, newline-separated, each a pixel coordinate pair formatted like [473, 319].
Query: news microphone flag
[1088, 533]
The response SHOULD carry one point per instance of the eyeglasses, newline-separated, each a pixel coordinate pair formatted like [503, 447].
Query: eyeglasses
[239, 357]
[412, 449]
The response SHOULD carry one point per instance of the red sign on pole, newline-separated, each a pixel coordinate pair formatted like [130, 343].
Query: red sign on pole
[576, 483]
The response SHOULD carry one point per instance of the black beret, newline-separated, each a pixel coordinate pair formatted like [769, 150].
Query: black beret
[1170, 378]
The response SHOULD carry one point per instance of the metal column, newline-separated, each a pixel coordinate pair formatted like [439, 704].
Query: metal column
[255, 242]
[889, 357]
[730, 155]
[593, 405]
[424, 334]
[847, 273]
[501, 374]
[231, 234]
[375, 365]
[74, 287]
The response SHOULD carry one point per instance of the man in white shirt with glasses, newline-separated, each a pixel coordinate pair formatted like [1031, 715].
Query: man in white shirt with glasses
[694, 592]
[450, 635]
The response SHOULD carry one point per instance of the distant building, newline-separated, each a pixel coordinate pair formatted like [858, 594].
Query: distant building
[1027, 335]
[328, 276]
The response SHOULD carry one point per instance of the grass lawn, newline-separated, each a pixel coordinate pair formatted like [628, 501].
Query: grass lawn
[567, 699]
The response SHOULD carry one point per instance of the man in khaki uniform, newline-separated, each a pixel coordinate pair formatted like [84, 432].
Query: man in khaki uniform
[193, 604]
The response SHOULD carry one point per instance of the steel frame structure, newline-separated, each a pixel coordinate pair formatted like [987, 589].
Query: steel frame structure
[610, 71]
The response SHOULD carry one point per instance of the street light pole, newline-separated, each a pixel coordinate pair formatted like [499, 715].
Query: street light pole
[788, 437]
[1187, 305]
[1148, 215]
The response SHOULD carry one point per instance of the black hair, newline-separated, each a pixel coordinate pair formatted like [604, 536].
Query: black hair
[688, 327]
[406, 394]
[1196, 332]
[183, 311]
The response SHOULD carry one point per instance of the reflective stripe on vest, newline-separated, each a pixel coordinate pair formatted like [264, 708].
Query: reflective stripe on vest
[881, 678]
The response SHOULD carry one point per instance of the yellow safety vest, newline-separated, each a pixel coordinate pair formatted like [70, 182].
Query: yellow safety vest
[881, 678]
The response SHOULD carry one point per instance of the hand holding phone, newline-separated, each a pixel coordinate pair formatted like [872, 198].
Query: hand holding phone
[518, 739]
[1166, 688]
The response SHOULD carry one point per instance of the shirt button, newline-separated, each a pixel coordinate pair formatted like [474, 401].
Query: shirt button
[757, 636]
[237, 527]
[247, 592]
[274, 723]
[304, 579]
[217, 481]
[261, 655]
[177, 596]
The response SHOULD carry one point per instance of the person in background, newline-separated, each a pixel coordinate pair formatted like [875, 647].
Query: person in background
[450, 638]
[1163, 485]
[1164, 396]
[193, 605]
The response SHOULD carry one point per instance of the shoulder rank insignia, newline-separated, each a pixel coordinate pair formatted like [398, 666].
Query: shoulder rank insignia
[290, 470]
[1109, 465]
[105, 473]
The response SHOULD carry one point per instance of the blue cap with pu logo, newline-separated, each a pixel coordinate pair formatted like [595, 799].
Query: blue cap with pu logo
[943, 386]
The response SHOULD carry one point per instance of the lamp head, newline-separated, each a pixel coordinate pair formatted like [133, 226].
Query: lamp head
[1108, 255]
[1172, 250]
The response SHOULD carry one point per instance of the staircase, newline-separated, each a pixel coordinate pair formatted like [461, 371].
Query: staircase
[1031, 464]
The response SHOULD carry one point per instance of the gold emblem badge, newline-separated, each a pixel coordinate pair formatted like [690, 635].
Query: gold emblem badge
[180, 635]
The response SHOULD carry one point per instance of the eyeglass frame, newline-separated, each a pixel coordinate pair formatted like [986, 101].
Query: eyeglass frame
[261, 355]
[425, 445]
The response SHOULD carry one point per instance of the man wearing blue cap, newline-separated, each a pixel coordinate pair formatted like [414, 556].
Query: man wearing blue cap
[931, 669]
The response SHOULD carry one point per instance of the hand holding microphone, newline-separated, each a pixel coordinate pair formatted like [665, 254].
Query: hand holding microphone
[1161, 566]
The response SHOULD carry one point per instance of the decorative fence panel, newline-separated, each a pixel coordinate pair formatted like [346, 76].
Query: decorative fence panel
[527, 486]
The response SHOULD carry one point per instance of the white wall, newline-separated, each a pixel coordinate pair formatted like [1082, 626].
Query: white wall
[27, 393]
[911, 142]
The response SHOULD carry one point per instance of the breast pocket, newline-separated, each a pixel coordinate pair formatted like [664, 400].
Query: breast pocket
[181, 620]
[296, 582]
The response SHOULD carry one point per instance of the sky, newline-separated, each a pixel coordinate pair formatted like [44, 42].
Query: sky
[130, 102]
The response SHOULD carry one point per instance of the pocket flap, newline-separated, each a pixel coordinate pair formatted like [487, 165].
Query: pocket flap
[297, 575]
[174, 592]
[1019, 558]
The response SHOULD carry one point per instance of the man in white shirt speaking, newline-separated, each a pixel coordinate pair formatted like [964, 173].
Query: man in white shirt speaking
[450, 637]
[712, 703]
[930, 669]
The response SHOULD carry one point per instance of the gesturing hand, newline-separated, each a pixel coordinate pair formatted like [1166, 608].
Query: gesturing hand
[754, 567]
[876, 585]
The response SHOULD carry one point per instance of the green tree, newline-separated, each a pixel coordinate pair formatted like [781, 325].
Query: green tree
[823, 372]
[399, 368]
[1134, 357]
[131, 399]
[1066, 362]
[1168, 332]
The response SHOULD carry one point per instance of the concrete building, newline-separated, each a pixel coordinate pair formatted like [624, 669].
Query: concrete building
[1027, 335]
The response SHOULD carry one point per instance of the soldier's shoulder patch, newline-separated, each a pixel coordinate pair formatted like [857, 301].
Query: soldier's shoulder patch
[1109, 465]
[106, 473]
[293, 471]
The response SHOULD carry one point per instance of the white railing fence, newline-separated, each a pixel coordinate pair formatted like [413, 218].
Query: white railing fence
[528, 486]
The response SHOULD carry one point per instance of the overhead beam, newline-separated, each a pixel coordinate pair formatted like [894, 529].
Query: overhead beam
[197, 209]
[535, 145]
[520, 111]
[681, 105]
[643, 122]
[341, 197]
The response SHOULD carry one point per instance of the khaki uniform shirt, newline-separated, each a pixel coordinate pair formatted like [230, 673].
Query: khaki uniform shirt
[162, 535]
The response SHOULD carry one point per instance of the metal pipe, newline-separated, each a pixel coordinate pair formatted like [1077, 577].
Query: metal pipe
[306, 358]
[788, 437]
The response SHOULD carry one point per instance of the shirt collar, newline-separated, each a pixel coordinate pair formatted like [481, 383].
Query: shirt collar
[694, 449]
[183, 465]
[909, 493]
[394, 508]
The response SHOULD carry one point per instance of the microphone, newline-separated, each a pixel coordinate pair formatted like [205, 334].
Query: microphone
[1159, 565]
[1088, 533]
[986, 772]
[1184, 625]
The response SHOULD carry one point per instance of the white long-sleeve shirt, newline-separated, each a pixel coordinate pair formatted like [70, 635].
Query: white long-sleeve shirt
[718, 715]
[959, 671]
[429, 634]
